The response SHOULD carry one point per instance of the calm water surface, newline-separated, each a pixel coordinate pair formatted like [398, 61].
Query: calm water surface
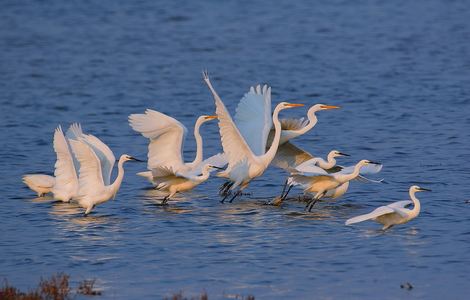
[400, 70]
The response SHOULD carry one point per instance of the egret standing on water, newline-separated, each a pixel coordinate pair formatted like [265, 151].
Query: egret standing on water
[395, 213]
[247, 156]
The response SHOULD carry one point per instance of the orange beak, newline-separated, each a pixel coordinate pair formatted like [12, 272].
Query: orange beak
[294, 104]
[210, 117]
[329, 107]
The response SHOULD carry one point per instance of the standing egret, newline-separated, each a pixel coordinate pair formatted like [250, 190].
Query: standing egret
[92, 189]
[40, 183]
[247, 161]
[395, 213]
[166, 136]
[315, 180]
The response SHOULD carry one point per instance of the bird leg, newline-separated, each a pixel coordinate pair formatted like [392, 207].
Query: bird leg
[238, 193]
[165, 200]
[225, 188]
[287, 192]
[225, 197]
[315, 199]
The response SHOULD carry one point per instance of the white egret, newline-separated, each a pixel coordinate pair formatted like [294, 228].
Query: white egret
[40, 183]
[292, 128]
[174, 182]
[247, 157]
[315, 180]
[92, 188]
[395, 213]
[166, 136]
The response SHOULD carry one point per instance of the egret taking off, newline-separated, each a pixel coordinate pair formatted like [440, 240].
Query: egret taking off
[92, 188]
[166, 136]
[395, 213]
[247, 157]
[317, 181]
[40, 183]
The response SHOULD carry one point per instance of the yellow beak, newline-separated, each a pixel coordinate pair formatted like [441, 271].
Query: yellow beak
[294, 104]
[210, 117]
[329, 107]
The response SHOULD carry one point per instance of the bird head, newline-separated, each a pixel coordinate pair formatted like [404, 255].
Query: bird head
[318, 107]
[336, 153]
[367, 162]
[418, 189]
[205, 118]
[286, 105]
[126, 157]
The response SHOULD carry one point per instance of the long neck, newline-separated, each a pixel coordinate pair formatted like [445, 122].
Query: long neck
[199, 147]
[417, 205]
[312, 121]
[269, 155]
[348, 177]
[204, 176]
[114, 187]
[330, 163]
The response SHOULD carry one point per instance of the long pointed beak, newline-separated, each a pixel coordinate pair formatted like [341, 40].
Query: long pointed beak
[343, 154]
[135, 159]
[294, 104]
[329, 107]
[374, 162]
[425, 190]
[218, 168]
[211, 117]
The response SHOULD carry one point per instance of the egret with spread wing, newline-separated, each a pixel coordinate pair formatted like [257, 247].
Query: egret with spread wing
[247, 161]
[92, 188]
[395, 213]
[166, 136]
[315, 180]
[40, 183]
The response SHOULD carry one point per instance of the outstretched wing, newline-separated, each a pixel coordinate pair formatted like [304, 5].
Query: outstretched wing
[309, 168]
[90, 178]
[64, 172]
[166, 138]
[367, 169]
[293, 124]
[233, 143]
[102, 151]
[219, 160]
[289, 156]
[253, 118]
[383, 210]
[400, 204]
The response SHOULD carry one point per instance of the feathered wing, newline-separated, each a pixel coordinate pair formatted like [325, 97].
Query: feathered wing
[400, 204]
[235, 147]
[166, 137]
[90, 178]
[383, 210]
[253, 118]
[309, 168]
[293, 124]
[64, 173]
[39, 180]
[365, 170]
[102, 151]
[289, 156]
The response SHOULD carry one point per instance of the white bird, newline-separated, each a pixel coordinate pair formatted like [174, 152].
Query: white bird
[246, 154]
[40, 183]
[166, 136]
[92, 188]
[315, 180]
[292, 128]
[174, 182]
[395, 213]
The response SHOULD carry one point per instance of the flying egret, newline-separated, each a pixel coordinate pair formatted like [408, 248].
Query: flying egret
[315, 180]
[395, 213]
[292, 128]
[174, 182]
[166, 136]
[92, 188]
[40, 183]
[247, 157]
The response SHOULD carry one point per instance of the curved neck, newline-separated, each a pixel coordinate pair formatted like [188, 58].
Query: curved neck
[204, 176]
[269, 155]
[199, 146]
[328, 164]
[312, 121]
[117, 182]
[417, 205]
[348, 177]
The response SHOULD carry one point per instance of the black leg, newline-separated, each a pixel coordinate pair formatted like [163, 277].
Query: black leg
[165, 200]
[287, 192]
[238, 193]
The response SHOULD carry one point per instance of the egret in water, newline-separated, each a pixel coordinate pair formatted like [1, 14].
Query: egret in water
[395, 213]
[40, 183]
[92, 187]
[166, 136]
[316, 181]
[246, 152]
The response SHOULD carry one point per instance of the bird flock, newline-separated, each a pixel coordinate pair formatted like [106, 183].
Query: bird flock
[252, 140]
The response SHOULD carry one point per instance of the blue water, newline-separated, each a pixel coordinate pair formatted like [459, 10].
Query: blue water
[400, 70]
